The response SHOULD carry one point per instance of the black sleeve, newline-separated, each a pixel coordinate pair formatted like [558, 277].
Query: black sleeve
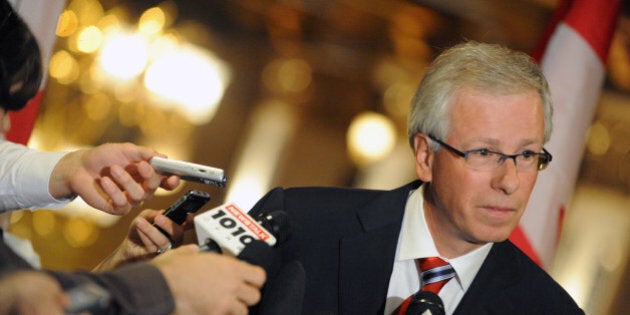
[136, 289]
[9, 260]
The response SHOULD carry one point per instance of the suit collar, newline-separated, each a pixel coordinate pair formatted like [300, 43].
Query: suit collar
[386, 208]
[366, 259]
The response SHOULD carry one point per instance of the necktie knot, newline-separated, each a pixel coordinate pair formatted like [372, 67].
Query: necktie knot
[434, 273]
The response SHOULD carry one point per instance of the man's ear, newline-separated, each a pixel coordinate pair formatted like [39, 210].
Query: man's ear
[424, 157]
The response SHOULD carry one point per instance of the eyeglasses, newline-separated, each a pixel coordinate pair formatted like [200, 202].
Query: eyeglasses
[487, 160]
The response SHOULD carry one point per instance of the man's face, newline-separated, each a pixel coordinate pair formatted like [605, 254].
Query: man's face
[471, 207]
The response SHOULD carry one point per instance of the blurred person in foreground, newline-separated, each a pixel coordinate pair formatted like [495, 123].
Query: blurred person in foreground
[477, 125]
[113, 178]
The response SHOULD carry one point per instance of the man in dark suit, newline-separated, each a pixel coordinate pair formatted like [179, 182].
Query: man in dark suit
[477, 126]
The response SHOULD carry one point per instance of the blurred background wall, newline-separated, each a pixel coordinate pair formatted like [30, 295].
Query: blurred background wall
[287, 93]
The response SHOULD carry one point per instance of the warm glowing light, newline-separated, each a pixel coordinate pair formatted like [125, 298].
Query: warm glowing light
[43, 222]
[80, 232]
[124, 56]
[371, 136]
[575, 287]
[67, 24]
[89, 39]
[193, 79]
[88, 11]
[109, 23]
[98, 106]
[246, 190]
[78, 208]
[294, 75]
[163, 45]
[152, 21]
[63, 67]
[16, 216]
[272, 125]
[598, 139]
[287, 75]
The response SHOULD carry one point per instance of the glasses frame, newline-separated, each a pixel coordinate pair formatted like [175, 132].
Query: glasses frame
[544, 157]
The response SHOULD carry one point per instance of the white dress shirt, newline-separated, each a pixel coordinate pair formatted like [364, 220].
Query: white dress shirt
[415, 241]
[24, 177]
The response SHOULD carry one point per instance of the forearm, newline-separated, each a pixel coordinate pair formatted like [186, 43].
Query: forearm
[136, 289]
[61, 174]
[24, 177]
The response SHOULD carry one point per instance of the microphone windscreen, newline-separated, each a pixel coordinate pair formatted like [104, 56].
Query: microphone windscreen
[425, 302]
[257, 253]
[285, 295]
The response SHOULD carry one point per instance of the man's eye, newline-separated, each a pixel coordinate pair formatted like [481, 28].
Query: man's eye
[483, 152]
[528, 154]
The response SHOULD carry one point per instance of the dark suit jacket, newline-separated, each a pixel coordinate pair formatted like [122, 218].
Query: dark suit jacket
[346, 240]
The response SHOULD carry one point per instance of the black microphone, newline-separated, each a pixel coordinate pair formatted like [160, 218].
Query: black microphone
[285, 294]
[425, 303]
[257, 253]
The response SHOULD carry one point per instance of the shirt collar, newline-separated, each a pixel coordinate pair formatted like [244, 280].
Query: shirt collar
[416, 242]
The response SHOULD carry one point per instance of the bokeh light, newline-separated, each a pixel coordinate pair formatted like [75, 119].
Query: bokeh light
[87, 11]
[67, 24]
[80, 232]
[191, 78]
[124, 56]
[598, 139]
[89, 39]
[44, 222]
[291, 75]
[63, 67]
[371, 136]
[152, 21]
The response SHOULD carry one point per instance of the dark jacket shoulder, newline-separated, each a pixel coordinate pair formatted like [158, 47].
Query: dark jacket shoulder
[509, 282]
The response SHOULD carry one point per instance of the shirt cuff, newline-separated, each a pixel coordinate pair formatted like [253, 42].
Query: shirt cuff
[31, 180]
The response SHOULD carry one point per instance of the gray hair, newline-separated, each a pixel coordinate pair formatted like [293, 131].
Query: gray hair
[487, 67]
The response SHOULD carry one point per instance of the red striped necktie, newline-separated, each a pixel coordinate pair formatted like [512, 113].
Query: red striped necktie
[434, 274]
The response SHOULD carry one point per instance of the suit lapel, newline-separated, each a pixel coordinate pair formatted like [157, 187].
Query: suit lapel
[366, 259]
[487, 292]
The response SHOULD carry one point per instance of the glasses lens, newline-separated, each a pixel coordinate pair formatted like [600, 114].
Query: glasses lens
[526, 161]
[482, 160]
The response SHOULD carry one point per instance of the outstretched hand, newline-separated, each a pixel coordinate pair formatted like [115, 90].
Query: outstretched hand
[113, 177]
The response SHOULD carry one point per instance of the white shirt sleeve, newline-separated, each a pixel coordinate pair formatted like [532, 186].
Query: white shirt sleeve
[24, 177]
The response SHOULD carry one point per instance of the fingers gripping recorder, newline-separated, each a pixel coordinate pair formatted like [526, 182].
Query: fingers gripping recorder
[189, 203]
[228, 229]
